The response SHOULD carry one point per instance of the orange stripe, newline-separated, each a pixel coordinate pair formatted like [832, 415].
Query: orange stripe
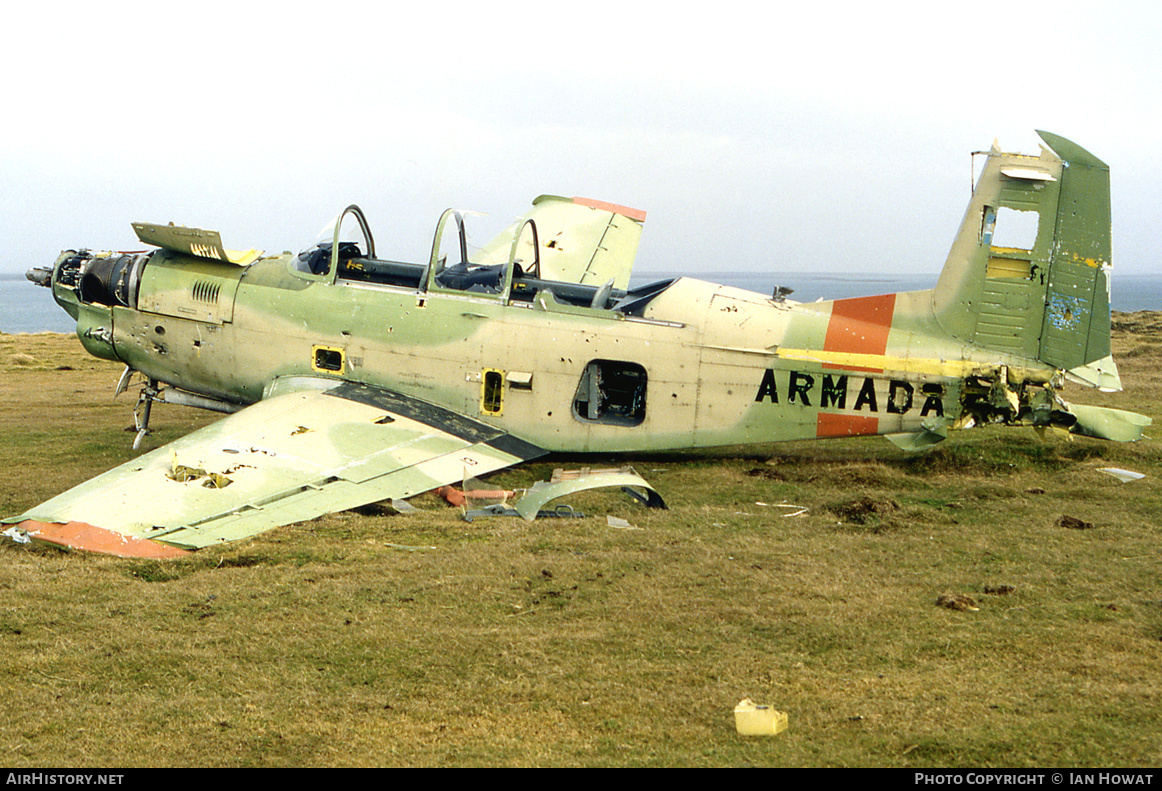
[860, 326]
[831, 425]
[78, 535]
[625, 211]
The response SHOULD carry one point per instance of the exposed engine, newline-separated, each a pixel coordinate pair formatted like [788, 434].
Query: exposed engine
[98, 278]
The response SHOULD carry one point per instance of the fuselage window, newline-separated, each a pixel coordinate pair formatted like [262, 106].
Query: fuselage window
[611, 391]
[327, 359]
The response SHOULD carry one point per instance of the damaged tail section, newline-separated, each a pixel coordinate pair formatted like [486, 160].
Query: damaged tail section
[1027, 274]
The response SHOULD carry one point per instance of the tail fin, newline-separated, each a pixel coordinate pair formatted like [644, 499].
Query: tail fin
[1027, 273]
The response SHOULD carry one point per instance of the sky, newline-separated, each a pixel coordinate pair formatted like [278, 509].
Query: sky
[830, 138]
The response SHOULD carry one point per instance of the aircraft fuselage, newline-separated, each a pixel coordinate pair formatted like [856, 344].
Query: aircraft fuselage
[703, 366]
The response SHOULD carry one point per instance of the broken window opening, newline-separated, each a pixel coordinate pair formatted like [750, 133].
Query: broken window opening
[492, 392]
[1015, 229]
[612, 392]
[1010, 235]
[327, 359]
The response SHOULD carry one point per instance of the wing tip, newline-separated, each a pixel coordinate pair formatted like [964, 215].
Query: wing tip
[90, 538]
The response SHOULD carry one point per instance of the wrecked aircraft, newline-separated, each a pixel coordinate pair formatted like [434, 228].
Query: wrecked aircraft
[349, 378]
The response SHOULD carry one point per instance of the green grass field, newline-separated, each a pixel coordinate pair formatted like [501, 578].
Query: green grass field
[369, 639]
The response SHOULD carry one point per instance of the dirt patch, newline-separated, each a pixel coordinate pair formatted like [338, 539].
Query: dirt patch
[863, 510]
[958, 602]
[1073, 523]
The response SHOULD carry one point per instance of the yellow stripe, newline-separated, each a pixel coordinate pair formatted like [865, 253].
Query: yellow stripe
[910, 365]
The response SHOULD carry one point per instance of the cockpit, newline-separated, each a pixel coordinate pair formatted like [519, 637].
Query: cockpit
[345, 251]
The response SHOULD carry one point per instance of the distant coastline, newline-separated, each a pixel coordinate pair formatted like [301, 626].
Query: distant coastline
[25, 307]
[1129, 292]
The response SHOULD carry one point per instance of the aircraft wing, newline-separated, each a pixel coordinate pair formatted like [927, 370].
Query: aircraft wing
[322, 447]
[581, 241]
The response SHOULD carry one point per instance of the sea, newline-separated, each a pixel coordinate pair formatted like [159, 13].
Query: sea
[26, 307]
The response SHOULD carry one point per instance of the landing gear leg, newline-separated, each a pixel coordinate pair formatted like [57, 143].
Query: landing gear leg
[142, 410]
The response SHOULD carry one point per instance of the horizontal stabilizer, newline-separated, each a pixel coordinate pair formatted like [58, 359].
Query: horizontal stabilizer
[581, 241]
[1105, 423]
[1102, 374]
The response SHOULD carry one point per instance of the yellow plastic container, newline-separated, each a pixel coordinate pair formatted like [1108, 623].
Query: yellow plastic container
[754, 720]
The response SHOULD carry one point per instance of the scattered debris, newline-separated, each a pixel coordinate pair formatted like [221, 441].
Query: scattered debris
[565, 482]
[1034, 490]
[999, 590]
[500, 509]
[802, 508]
[17, 535]
[476, 502]
[473, 500]
[1125, 476]
[401, 506]
[778, 505]
[460, 498]
[957, 601]
[751, 719]
[619, 523]
[1073, 523]
[407, 548]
